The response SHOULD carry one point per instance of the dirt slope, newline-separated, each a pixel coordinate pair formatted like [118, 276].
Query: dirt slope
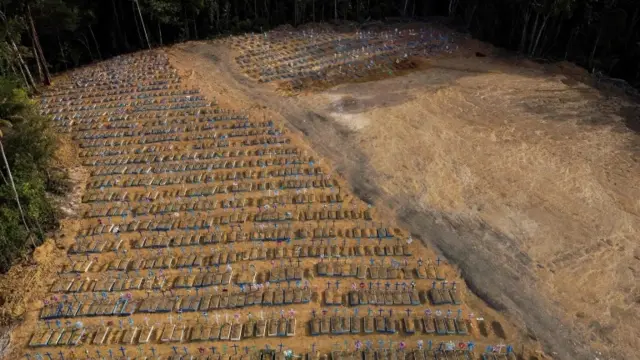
[525, 179]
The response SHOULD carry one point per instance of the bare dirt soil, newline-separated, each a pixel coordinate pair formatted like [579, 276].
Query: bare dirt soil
[521, 174]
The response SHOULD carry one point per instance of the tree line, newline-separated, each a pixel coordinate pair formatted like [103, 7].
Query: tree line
[41, 36]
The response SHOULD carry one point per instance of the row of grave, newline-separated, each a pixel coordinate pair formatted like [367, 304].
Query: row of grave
[142, 84]
[204, 206]
[341, 325]
[290, 166]
[266, 148]
[203, 120]
[209, 113]
[54, 97]
[208, 127]
[437, 296]
[346, 66]
[168, 333]
[193, 199]
[299, 42]
[317, 182]
[262, 234]
[291, 154]
[408, 297]
[132, 131]
[207, 226]
[207, 278]
[292, 232]
[361, 271]
[136, 78]
[125, 122]
[109, 72]
[228, 199]
[314, 194]
[106, 118]
[165, 304]
[336, 42]
[128, 107]
[236, 331]
[271, 296]
[139, 176]
[277, 274]
[446, 350]
[201, 117]
[106, 140]
[152, 154]
[443, 350]
[148, 155]
[190, 204]
[66, 100]
[221, 256]
[124, 101]
[120, 114]
[129, 100]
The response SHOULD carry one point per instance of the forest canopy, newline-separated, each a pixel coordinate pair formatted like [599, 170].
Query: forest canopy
[55, 35]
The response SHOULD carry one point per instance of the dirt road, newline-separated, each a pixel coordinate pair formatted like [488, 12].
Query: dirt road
[522, 178]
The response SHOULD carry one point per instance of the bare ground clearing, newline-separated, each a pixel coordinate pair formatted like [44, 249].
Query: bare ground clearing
[525, 178]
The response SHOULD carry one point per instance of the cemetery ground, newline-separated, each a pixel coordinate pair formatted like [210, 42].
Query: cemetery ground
[518, 180]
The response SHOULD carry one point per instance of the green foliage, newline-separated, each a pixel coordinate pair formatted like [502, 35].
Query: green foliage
[28, 144]
[14, 101]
